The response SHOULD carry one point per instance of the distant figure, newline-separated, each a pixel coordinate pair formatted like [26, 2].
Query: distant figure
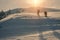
[38, 11]
[45, 13]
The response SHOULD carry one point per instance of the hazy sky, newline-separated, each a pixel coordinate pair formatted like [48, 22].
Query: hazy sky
[9, 4]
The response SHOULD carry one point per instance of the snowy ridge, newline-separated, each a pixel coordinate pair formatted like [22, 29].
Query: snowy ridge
[25, 16]
[25, 27]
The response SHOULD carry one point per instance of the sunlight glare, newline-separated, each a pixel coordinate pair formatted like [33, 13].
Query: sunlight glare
[35, 3]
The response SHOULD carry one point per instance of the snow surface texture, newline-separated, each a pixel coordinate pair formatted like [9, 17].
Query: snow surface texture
[29, 27]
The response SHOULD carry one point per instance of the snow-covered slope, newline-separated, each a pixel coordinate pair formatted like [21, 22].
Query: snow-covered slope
[29, 27]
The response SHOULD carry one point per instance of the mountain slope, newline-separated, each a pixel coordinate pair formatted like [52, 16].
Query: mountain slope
[19, 26]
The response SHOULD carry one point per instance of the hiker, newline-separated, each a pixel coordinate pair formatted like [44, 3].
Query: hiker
[38, 11]
[45, 13]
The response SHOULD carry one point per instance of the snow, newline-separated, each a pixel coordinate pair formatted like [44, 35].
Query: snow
[29, 27]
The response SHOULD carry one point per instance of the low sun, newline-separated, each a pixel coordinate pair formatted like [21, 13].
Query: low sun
[35, 3]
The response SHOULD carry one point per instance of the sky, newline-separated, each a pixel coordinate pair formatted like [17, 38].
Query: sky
[11, 4]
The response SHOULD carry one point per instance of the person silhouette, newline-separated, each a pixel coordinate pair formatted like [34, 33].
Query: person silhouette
[38, 11]
[45, 13]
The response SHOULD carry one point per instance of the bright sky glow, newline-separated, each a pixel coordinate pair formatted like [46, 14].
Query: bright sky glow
[35, 3]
